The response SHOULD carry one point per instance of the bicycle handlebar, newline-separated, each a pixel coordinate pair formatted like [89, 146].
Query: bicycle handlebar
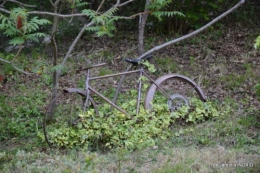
[136, 61]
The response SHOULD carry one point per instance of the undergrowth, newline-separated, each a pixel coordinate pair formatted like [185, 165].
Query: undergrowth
[113, 129]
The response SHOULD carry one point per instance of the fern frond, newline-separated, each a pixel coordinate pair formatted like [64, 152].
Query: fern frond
[81, 4]
[102, 33]
[56, 68]
[160, 14]
[15, 12]
[99, 20]
[93, 28]
[3, 18]
[90, 13]
[110, 13]
[10, 30]
[34, 36]
[17, 40]
[33, 24]
[40, 21]
[159, 4]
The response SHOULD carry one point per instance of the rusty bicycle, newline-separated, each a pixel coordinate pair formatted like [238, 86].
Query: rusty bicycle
[176, 90]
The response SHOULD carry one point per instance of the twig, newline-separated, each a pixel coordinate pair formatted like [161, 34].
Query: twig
[56, 14]
[16, 68]
[133, 16]
[117, 3]
[101, 4]
[19, 51]
[193, 33]
[5, 11]
[57, 2]
[74, 44]
[2, 5]
[52, 3]
[22, 4]
[47, 13]
[127, 2]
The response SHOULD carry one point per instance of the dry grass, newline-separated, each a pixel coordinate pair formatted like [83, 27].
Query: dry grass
[204, 160]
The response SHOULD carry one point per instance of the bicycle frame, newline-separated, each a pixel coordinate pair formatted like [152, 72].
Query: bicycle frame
[112, 103]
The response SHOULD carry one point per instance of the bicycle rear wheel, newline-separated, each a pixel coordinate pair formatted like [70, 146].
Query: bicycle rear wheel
[173, 89]
[64, 110]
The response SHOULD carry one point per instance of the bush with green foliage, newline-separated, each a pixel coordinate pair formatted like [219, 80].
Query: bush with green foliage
[113, 129]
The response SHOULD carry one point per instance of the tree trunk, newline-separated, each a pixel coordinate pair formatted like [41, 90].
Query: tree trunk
[141, 26]
[55, 57]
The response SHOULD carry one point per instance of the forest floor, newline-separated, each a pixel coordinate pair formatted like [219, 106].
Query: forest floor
[221, 60]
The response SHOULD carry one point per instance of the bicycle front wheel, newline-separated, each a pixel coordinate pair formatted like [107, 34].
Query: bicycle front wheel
[173, 89]
[64, 110]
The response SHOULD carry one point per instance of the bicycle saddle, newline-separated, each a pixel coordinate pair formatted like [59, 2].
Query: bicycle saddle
[136, 61]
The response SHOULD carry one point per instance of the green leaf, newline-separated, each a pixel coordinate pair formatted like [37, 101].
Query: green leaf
[17, 40]
[257, 43]
[89, 13]
[213, 5]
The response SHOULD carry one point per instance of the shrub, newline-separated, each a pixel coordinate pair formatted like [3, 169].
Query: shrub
[112, 129]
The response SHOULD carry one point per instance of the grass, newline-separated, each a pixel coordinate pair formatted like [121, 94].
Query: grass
[160, 160]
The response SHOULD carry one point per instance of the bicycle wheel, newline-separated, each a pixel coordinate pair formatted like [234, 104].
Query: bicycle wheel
[64, 110]
[173, 89]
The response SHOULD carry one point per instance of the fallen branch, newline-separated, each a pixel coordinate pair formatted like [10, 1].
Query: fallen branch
[193, 33]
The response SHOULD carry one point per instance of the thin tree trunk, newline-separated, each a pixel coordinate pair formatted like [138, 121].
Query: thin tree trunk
[55, 57]
[141, 27]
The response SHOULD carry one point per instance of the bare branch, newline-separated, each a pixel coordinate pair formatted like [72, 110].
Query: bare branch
[193, 33]
[22, 4]
[56, 14]
[101, 4]
[16, 68]
[117, 3]
[19, 51]
[47, 13]
[133, 16]
[57, 2]
[52, 3]
[5, 11]
[74, 44]
[127, 2]
[2, 5]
